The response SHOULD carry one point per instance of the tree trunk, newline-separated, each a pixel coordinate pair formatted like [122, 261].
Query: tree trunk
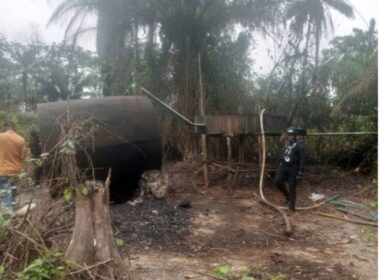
[112, 52]
[317, 43]
[25, 88]
[302, 94]
[315, 81]
[92, 240]
[202, 105]
[186, 80]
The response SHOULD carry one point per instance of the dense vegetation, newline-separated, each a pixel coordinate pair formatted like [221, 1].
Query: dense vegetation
[157, 44]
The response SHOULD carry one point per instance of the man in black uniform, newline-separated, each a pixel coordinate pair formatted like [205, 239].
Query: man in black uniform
[291, 162]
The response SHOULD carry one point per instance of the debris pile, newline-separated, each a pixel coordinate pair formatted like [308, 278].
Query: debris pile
[154, 183]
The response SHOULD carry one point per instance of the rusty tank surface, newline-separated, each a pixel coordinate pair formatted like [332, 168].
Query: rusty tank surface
[125, 138]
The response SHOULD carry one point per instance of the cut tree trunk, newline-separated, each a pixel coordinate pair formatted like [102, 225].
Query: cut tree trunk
[92, 240]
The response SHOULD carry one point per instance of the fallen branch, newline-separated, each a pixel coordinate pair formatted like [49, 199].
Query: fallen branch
[355, 214]
[223, 167]
[345, 220]
[85, 268]
[59, 229]
[38, 246]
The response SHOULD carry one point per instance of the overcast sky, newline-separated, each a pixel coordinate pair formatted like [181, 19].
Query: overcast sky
[20, 20]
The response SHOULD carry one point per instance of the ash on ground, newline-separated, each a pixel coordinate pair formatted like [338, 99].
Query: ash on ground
[151, 223]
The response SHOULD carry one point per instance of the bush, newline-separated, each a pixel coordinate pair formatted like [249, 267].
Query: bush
[46, 267]
[25, 122]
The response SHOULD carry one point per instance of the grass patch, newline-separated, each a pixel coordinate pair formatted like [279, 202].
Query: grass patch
[368, 236]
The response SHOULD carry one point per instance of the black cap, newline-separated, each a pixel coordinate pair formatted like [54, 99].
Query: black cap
[291, 131]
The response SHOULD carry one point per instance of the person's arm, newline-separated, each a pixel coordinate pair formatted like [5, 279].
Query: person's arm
[279, 153]
[280, 146]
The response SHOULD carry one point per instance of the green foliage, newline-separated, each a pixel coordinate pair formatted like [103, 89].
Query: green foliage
[2, 271]
[368, 236]
[353, 60]
[25, 122]
[84, 190]
[119, 242]
[68, 147]
[373, 204]
[47, 267]
[35, 72]
[222, 271]
[67, 194]
[40, 160]
[5, 220]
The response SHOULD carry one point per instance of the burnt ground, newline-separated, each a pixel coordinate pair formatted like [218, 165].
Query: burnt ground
[227, 225]
[151, 223]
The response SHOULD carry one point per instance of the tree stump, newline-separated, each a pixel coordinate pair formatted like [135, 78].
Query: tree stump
[92, 241]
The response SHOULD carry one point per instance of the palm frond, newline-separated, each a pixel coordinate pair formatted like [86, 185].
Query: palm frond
[367, 83]
[68, 6]
[341, 6]
[77, 17]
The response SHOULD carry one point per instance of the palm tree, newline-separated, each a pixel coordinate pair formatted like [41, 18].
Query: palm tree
[315, 16]
[312, 18]
[117, 28]
[367, 83]
[24, 59]
[110, 32]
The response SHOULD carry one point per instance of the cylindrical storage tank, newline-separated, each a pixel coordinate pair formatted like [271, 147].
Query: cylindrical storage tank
[125, 137]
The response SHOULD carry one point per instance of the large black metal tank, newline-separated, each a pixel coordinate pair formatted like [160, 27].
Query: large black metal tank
[126, 137]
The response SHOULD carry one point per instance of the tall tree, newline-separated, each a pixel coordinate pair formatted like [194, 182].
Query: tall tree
[117, 22]
[24, 58]
[353, 70]
[66, 72]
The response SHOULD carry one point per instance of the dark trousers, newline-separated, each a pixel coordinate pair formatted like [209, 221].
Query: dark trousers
[287, 174]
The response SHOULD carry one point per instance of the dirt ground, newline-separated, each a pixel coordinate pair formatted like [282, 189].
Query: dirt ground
[226, 225]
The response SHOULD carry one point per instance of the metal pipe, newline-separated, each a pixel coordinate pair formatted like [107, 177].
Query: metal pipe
[328, 133]
[340, 133]
[162, 105]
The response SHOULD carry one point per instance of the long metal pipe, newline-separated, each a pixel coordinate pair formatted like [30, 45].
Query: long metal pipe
[341, 133]
[170, 110]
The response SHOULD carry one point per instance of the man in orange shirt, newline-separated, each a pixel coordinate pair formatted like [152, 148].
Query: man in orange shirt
[12, 153]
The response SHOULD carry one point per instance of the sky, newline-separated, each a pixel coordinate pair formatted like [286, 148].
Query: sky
[23, 20]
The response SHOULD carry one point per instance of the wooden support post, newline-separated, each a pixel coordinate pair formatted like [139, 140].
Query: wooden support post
[205, 159]
[241, 149]
[229, 157]
[203, 136]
